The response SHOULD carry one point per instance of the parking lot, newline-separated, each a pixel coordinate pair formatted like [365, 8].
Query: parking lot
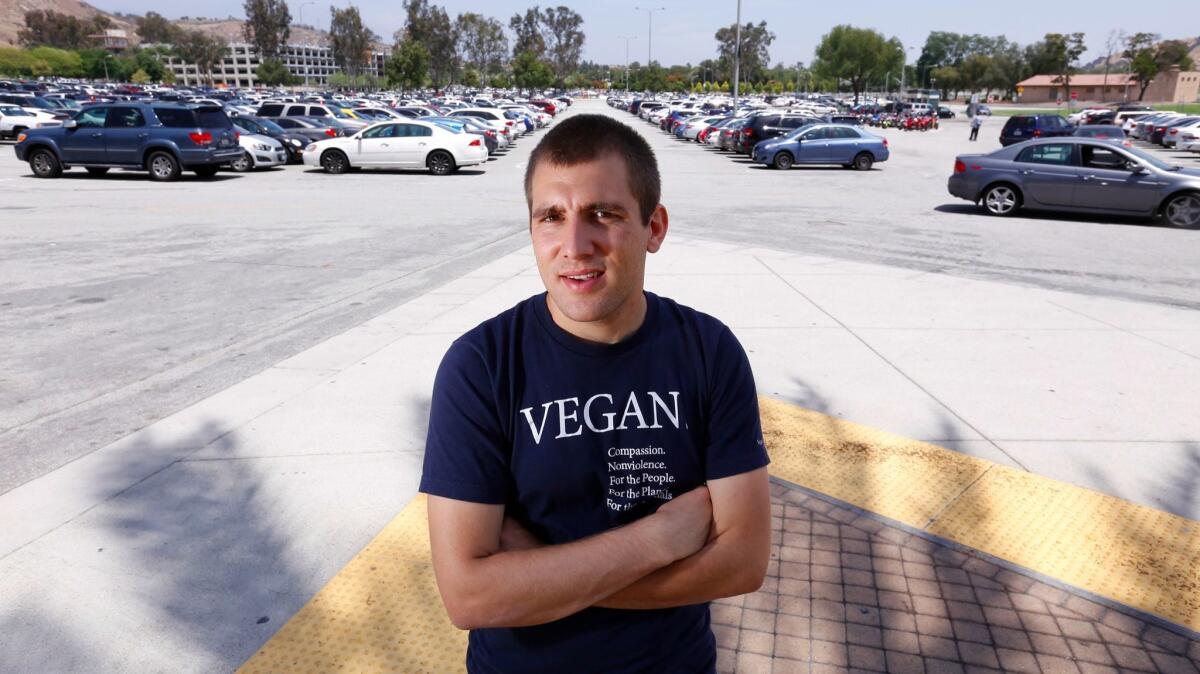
[124, 300]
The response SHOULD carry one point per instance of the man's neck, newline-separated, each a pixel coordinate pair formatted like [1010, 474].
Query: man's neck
[610, 330]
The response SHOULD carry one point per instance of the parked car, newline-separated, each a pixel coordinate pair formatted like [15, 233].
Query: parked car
[1170, 134]
[767, 125]
[1020, 128]
[407, 144]
[162, 138]
[470, 125]
[1106, 131]
[1078, 175]
[313, 128]
[494, 118]
[311, 110]
[14, 120]
[293, 143]
[944, 113]
[842, 144]
[258, 152]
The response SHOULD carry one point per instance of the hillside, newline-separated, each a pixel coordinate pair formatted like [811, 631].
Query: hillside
[12, 20]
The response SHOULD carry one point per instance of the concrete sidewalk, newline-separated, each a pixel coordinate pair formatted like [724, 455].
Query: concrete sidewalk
[202, 533]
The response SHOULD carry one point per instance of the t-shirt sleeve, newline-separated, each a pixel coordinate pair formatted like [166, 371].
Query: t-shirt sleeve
[466, 456]
[734, 429]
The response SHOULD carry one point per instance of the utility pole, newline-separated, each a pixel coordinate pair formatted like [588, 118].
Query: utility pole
[737, 53]
[626, 39]
[650, 29]
[304, 56]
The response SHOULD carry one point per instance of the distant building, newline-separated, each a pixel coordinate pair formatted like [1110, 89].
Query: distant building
[112, 40]
[1172, 86]
[312, 64]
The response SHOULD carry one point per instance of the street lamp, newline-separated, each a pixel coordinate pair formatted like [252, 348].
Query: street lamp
[737, 53]
[107, 56]
[304, 57]
[649, 28]
[904, 72]
[626, 39]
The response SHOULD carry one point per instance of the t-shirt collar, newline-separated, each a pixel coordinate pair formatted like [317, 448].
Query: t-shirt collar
[582, 346]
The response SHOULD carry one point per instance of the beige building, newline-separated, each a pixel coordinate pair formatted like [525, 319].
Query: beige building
[1172, 86]
[311, 64]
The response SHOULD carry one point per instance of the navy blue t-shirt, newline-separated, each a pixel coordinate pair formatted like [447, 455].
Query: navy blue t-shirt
[575, 438]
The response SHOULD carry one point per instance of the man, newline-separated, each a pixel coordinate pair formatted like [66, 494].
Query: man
[595, 466]
[976, 122]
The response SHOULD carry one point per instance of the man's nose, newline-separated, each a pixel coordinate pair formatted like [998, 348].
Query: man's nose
[577, 238]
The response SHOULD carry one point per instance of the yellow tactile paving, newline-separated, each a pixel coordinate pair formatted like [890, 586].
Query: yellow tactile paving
[382, 612]
[1138, 556]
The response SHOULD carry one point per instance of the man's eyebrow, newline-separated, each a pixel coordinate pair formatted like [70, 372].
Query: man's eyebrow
[543, 211]
[606, 206]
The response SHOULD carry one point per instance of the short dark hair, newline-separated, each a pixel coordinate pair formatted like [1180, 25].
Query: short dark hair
[584, 138]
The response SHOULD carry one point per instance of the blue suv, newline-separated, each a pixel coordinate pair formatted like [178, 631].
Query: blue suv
[162, 138]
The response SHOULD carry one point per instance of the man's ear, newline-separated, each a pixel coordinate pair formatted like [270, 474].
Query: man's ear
[658, 228]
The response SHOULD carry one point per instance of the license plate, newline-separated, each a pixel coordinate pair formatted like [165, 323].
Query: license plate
[1016, 133]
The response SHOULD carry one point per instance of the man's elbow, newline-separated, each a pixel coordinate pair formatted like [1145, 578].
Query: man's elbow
[751, 578]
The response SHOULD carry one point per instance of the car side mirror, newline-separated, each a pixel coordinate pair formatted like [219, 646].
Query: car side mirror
[70, 124]
[1136, 167]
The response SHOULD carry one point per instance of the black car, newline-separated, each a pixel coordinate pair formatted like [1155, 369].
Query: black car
[162, 138]
[294, 143]
[944, 113]
[1020, 128]
[313, 128]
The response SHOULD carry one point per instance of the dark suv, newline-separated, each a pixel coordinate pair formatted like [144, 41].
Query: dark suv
[1023, 127]
[162, 138]
[770, 125]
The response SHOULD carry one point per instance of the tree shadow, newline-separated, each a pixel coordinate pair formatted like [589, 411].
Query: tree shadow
[26, 627]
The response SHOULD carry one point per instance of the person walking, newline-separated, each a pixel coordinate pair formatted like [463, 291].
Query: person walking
[976, 122]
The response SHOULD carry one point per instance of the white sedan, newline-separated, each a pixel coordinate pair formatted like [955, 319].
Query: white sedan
[258, 152]
[407, 144]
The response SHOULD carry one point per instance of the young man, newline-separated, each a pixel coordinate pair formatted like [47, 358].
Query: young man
[976, 122]
[595, 465]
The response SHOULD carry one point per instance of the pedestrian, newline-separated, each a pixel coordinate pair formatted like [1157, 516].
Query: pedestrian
[976, 122]
[594, 461]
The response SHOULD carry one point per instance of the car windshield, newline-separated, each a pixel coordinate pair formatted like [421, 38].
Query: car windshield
[1150, 159]
[13, 111]
[800, 130]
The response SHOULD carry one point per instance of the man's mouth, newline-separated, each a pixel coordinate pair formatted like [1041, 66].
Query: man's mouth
[582, 280]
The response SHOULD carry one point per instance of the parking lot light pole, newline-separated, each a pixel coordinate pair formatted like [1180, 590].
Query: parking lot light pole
[626, 39]
[650, 29]
[737, 53]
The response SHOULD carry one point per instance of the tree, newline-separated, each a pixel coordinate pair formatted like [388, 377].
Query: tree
[1057, 54]
[755, 54]
[139, 77]
[55, 29]
[198, 48]
[481, 42]
[530, 72]
[154, 28]
[858, 55]
[267, 26]
[1173, 53]
[272, 73]
[349, 39]
[564, 39]
[408, 65]
[1148, 57]
[431, 26]
[527, 30]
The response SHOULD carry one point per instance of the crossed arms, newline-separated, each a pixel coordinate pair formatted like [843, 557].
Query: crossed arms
[708, 543]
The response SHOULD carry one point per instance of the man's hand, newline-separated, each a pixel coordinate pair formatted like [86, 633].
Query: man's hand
[685, 522]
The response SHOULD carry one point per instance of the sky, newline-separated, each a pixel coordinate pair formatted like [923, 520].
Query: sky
[683, 30]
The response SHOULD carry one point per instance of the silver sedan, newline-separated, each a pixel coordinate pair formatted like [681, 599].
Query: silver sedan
[1081, 175]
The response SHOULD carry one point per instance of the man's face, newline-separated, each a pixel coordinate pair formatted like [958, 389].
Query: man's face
[591, 245]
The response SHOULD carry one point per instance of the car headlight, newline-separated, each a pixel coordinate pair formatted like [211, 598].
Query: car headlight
[261, 147]
[294, 141]
[311, 148]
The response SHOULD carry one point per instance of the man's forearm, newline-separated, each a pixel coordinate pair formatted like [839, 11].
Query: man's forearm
[719, 569]
[536, 586]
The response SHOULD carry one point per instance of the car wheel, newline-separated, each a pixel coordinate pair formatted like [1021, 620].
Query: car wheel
[206, 171]
[333, 161]
[97, 170]
[440, 163]
[863, 162]
[45, 164]
[1001, 200]
[1183, 210]
[783, 161]
[163, 167]
[243, 163]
